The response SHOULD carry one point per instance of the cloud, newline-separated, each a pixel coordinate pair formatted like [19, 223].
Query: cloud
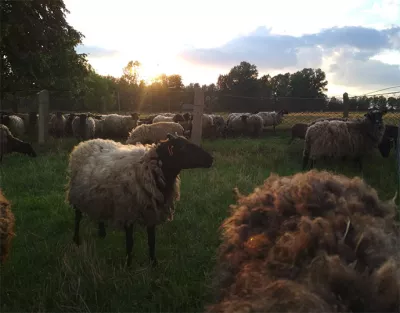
[271, 51]
[349, 48]
[96, 51]
[352, 72]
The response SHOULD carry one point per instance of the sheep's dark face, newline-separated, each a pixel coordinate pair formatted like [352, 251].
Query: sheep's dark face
[5, 120]
[178, 118]
[179, 153]
[135, 116]
[375, 117]
[59, 114]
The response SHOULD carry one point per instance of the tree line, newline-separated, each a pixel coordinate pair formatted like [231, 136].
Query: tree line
[38, 52]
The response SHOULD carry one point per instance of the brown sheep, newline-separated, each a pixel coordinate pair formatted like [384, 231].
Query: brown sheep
[311, 242]
[298, 131]
[7, 225]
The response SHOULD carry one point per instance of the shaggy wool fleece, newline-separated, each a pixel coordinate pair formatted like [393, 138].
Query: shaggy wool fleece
[311, 242]
[335, 138]
[116, 182]
[7, 225]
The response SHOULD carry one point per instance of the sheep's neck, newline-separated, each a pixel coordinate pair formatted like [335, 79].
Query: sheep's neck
[170, 177]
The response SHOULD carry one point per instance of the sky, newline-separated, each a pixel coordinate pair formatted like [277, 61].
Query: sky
[356, 43]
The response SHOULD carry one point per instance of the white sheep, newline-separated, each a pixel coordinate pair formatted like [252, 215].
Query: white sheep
[177, 118]
[117, 126]
[57, 124]
[83, 127]
[129, 184]
[153, 133]
[272, 118]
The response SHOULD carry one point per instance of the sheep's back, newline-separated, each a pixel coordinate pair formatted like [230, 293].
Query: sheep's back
[102, 176]
[328, 139]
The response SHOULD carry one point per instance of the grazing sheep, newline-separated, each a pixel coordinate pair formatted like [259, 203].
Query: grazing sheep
[219, 122]
[9, 144]
[118, 126]
[7, 226]
[337, 139]
[254, 125]
[14, 123]
[57, 125]
[177, 118]
[147, 120]
[153, 133]
[208, 127]
[98, 126]
[298, 131]
[128, 184]
[83, 127]
[272, 118]
[311, 242]
[244, 124]
[236, 124]
[68, 124]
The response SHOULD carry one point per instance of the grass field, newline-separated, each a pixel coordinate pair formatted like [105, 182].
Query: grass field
[46, 272]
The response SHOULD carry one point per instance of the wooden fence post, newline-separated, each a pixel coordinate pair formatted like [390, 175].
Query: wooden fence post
[43, 97]
[198, 108]
[345, 105]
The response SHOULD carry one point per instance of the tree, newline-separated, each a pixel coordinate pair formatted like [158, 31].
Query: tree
[175, 81]
[280, 85]
[99, 92]
[307, 83]
[38, 47]
[131, 73]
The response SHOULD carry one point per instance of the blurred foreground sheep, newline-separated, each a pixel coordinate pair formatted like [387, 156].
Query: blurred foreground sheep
[7, 225]
[311, 242]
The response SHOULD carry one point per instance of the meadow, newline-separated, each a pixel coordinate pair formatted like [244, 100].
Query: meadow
[47, 272]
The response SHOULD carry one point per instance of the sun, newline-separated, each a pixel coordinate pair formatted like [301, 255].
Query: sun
[151, 69]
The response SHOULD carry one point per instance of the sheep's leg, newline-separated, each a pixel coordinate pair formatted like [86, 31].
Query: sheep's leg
[305, 161]
[312, 164]
[102, 230]
[78, 217]
[129, 243]
[151, 241]
[359, 163]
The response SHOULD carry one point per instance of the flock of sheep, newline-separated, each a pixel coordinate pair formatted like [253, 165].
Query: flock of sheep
[311, 242]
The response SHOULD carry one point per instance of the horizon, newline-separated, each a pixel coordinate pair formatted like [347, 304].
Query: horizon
[357, 44]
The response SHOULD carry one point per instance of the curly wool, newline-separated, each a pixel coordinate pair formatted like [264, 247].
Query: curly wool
[311, 242]
[153, 133]
[337, 138]
[116, 182]
[7, 225]
[116, 125]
